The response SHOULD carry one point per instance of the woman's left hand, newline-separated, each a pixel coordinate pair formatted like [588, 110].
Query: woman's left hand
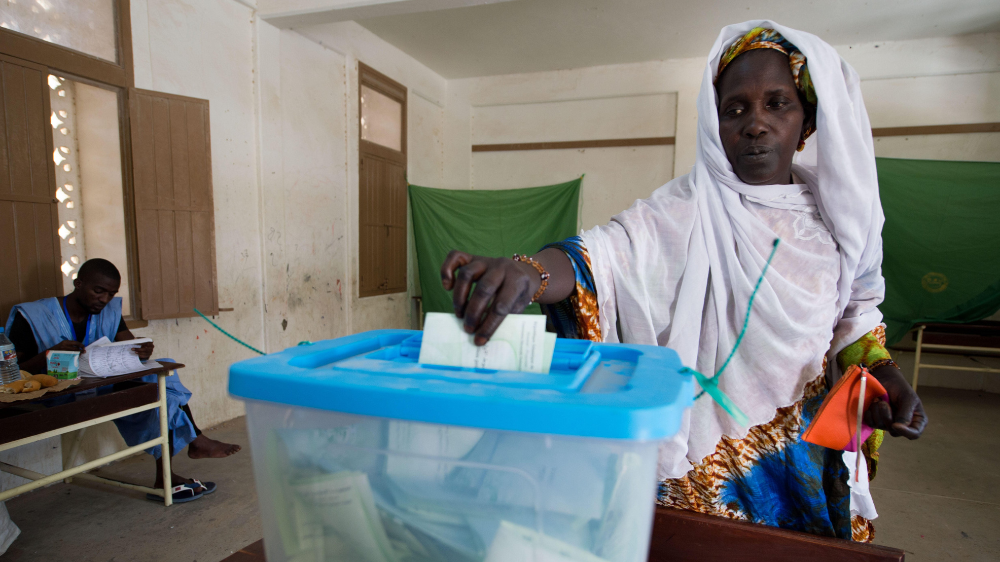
[904, 414]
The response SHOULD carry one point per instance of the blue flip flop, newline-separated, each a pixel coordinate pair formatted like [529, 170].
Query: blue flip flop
[182, 493]
[209, 486]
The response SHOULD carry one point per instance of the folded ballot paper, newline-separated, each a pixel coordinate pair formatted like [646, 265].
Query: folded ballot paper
[519, 344]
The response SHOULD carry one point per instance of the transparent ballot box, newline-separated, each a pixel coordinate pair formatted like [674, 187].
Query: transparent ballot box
[361, 454]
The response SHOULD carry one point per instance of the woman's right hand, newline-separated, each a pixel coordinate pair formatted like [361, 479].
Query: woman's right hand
[502, 286]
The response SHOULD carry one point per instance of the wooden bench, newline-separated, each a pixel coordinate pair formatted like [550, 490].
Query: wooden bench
[976, 338]
[28, 421]
[681, 536]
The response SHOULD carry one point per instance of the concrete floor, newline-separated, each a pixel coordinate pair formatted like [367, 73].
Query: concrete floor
[92, 522]
[939, 499]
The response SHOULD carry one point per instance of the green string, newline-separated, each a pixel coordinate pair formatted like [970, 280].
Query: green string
[711, 385]
[232, 337]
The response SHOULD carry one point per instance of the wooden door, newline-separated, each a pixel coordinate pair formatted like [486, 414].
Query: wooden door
[383, 225]
[29, 213]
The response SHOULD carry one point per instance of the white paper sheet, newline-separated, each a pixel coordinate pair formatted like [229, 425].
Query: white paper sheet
[514, 543]
[105, 358]
[520, 343]
[345, 505]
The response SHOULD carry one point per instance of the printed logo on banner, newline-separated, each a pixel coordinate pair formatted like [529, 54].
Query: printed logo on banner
[934, 282]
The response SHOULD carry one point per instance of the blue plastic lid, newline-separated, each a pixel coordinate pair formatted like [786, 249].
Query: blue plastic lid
[614, 391]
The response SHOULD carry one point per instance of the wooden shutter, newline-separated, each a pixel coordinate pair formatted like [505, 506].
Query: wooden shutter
[174, 212]
[382, 201]
[383, 226]
[29, 214]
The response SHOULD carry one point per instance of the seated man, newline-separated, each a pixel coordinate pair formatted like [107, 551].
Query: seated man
[90, 312]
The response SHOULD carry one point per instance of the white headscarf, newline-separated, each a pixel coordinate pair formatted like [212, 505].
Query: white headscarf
[678, 269]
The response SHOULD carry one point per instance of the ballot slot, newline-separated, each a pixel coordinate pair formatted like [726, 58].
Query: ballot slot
[573, 361]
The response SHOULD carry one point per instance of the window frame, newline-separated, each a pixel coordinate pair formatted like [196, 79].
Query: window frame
[64, 59]
[117, 76]
[375, 80]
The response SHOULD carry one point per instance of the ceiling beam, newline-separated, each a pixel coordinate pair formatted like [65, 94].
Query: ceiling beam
[301, 13]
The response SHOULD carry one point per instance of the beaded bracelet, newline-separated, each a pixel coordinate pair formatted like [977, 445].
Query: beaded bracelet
[882, 363]
[541, 272]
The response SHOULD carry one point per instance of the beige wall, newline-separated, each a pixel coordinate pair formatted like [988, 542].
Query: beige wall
[303, 175]
[936, 100]
[614, 177]
[933, 81]
[425, 150]
[674, 80]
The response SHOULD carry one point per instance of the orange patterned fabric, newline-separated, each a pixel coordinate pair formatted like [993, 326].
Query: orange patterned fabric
[700, 489]
[578, 316]
[862, 529]
[585, 302]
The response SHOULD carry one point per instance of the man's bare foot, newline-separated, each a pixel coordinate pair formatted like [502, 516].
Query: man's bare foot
[204, 448]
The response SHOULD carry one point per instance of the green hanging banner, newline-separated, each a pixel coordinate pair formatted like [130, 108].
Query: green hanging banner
[488, 223]
[941, 242]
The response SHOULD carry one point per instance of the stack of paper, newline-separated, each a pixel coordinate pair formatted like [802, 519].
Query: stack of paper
[105, 358]
[519, 344]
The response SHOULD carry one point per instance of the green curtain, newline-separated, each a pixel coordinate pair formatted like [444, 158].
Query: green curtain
[486, 222]
[941, 242]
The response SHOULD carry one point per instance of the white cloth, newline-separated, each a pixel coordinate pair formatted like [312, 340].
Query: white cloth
[8, 530]
[678, 269]
[861, 497]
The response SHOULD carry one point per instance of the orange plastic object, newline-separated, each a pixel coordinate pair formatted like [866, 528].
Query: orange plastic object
[836, 421]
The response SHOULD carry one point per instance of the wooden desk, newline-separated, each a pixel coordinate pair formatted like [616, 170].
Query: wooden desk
[685, 536]
[29, 421]
[681, 536]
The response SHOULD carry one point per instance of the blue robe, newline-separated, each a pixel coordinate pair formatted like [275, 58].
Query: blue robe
[50, 326]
